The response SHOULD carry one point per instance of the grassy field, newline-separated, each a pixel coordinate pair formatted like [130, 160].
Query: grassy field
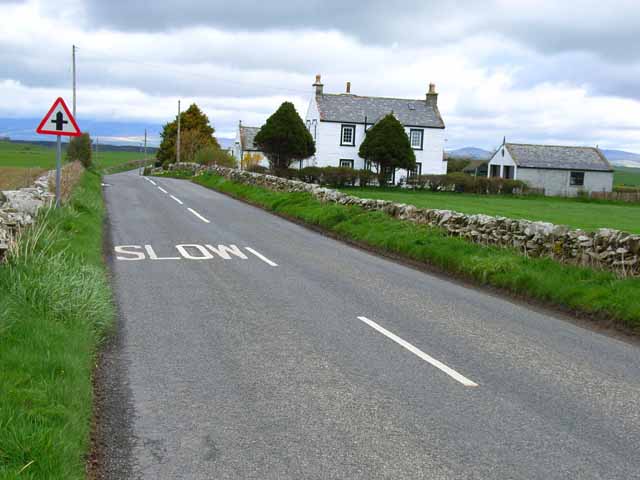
[627, 177]
[37, 156]
[580, 289]
[55, 307]
[565, 211]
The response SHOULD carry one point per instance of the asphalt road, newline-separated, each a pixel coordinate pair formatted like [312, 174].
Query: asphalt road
[293, 361]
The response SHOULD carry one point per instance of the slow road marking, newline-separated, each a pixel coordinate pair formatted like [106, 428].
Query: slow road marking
[198, 215]
[188, 251]
[416, 351]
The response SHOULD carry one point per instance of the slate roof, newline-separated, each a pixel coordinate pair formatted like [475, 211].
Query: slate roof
[558, 157]
[348, 108]
[247, 134]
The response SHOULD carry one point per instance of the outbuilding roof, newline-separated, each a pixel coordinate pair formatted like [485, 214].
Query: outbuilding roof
[558, 157]
[348, 108]
[247, 135]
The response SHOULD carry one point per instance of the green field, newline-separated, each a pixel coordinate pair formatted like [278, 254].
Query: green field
[627, 177]
[587, 215]
[31, 155]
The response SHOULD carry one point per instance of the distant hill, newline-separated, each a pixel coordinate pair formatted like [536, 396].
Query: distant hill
[470, 152]
[621, 158]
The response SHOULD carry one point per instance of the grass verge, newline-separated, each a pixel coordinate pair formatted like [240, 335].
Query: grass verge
[596, 293]
[55, 308]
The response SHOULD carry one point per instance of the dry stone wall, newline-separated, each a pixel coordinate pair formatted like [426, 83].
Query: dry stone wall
[606, 248]
[18, 209]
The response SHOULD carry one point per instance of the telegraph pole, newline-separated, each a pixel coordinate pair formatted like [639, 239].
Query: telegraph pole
[73, 62]
[178, 142]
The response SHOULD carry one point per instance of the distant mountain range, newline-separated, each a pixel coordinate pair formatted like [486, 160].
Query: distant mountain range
[618, 158]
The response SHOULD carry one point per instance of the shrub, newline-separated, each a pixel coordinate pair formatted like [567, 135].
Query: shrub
[212, 155]
[80, 149]
[257, 169]
[366, 177]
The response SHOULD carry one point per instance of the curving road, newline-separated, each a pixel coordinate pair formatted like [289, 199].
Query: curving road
[252, 348]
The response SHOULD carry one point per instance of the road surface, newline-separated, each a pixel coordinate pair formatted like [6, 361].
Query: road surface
[252, 348]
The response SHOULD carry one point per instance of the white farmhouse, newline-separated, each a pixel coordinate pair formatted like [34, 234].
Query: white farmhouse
[244, 150]
[559, 170]
[338, 123]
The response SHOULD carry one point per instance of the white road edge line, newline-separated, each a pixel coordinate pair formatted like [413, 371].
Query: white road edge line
[177, 199]
[261, 257]
[416, 351]
[198, 215]
[162, 190]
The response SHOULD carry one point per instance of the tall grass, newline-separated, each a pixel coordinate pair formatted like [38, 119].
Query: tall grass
[596, 293]
[55, 308]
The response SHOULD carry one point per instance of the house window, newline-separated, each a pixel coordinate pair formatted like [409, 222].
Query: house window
[416, 171]
[389, 175]
[344, 163]
[415, 135]
[576, 179]
[348, 135]
[507, 172]
[494, 171]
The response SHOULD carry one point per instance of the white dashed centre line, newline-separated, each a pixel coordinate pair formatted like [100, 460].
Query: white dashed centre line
[152, 182]
[261, 257]
[177, 199]
[162, 190]
[198, 215]
[416, 351]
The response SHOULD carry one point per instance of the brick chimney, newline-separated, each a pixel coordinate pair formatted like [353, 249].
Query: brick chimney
[318, 85]
[348, 87]
[432, 96]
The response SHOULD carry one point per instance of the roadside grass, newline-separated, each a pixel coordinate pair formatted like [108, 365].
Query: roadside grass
[26, 155]
[588, 215]
[597, 293]
[12, 178]
[55, 308]
[626, 177]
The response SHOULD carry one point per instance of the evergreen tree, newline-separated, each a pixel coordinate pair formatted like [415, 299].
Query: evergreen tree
[387, 145]
[284, 138]
[192, 120]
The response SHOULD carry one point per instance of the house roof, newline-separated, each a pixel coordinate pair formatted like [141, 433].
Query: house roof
[247, 134]
[350, 108]
[558, 157]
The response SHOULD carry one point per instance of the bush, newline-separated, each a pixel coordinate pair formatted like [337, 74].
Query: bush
[80, 149]
[212, 155]
[461, 182]
[366, 177]
[257, 169]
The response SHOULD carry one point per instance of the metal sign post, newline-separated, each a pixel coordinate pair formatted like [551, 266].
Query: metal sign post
[59, 122]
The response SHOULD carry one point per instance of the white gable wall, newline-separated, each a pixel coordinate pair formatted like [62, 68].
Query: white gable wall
[507, 160]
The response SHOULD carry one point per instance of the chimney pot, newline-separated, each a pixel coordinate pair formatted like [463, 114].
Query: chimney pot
[348, 87]
[318, 86]
[432, 96]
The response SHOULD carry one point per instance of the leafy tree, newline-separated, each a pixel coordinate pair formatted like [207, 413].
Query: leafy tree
[191, 142]
[387, 146]
[80, 149]
[457, 164]
[215, 155]
[284, 138]
[192, 119]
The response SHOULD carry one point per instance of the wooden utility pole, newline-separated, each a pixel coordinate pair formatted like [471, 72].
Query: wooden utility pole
[73, 62]
[178, 141]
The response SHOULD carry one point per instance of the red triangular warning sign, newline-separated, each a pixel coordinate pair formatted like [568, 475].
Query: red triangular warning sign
[59, 121]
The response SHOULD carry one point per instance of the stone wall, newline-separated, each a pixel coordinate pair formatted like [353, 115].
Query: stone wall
[606, 248]
[18, 209]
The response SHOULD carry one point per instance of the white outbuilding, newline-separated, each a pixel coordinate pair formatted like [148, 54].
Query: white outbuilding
[558, 170]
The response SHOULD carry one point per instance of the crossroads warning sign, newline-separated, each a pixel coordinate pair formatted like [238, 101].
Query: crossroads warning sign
[59, 121]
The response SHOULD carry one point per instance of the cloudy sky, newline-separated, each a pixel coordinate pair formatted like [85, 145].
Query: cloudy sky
[535, 71]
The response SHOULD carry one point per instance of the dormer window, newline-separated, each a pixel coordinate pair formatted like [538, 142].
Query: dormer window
[416, 137]
[348, 135]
